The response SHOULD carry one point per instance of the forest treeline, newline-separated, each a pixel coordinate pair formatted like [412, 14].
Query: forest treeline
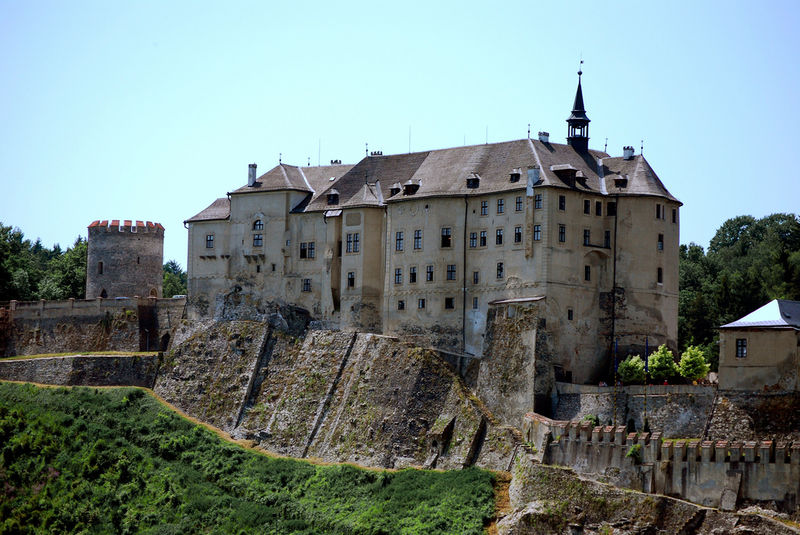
[748, 263]
[30, 271]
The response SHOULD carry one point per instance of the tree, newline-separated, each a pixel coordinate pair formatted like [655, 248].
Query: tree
[661, 364]
[693, 365]
[631, 370]
[175, 279]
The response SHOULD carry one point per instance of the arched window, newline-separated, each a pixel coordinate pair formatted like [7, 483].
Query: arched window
[258, 224]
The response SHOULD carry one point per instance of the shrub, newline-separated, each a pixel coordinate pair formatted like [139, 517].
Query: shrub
[661, 364]
[693, 365]
[635, 453]
[631, 370]
[591, 418]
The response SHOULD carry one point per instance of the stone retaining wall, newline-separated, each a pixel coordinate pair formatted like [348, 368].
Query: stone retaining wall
[85, 370]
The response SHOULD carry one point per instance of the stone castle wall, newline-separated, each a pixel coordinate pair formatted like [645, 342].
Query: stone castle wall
[125, 259]
[712, 473]
[76, 325]
[95, 370]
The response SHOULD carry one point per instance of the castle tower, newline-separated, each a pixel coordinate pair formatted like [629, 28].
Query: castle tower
[125, 259]
[578, 122]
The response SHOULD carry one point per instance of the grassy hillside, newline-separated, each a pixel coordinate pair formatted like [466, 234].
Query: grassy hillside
[115, 460]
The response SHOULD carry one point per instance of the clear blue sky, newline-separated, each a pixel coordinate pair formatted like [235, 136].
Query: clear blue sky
[151, 110]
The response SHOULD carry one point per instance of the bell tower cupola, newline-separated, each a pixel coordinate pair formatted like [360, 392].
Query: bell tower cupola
[578, 122]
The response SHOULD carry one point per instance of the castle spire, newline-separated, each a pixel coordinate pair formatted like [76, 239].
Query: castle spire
[578, 121]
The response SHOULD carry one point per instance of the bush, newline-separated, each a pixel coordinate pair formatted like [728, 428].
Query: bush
[661, 364]
[591, 418]
[631, 370]
[693, 365]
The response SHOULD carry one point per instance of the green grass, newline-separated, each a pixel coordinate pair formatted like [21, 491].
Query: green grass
[86, 460]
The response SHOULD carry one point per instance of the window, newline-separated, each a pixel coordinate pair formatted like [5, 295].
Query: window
[451, 272]
[398, 241]
[674, 215]
[607, 239]
[398, 276]
[562, 203]
[401, 305]
[660, 276]
[587, 206]
[258, 225]
[517, 234]
[412, 274]
[660, 245]
[483, 238]
[303, 250]
[498, 237]
[311, 248]
[562, 233]
[449, 303]
[484, 207]
[351, 279]
[518, 204]
[306, 285]
[537, 201]
[611, 208]
[258, 240]
[587, 273]
[447, 237]
[273, 267]
[258, 268]
[741, 348]
[99, 268]
[420, 303]
[339, 248]
[418, 239]
[499, 270]
[429, 273]
[658, 211]
[475, 303]
[537, 232]
[475, 277]
[209, 241]
[598, 208]
[569, 314]
[473, 239]
[587, 236]
[501, 206]
[353, 245]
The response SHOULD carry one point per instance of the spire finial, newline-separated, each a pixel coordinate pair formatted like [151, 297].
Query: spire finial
[280, 157]
[580, 68]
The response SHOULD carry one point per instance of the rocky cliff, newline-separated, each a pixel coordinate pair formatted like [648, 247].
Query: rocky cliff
[336, 396]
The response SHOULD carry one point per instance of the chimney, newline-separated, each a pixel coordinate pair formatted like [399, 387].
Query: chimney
[544, 137]
[627, 153]
[533, 178]
[251, 175]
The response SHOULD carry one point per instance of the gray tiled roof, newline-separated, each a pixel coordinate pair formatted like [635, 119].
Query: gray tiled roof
[777, 314]
[444, 172]
[219, 209]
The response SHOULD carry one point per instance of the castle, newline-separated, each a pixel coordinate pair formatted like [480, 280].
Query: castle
[124, 259]
[424, 245]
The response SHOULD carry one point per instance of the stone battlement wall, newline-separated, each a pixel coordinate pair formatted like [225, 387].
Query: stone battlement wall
[130, 324]
[712, 473]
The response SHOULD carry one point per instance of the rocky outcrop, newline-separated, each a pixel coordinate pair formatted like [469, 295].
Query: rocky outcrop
[546, 500]
[336, 396]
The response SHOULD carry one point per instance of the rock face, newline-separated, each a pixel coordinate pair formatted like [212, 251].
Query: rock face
[336, 396]
[547, 500]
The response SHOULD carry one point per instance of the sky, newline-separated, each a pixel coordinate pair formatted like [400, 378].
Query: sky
[150, 110]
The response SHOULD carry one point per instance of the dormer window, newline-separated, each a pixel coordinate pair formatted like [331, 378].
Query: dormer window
[333, 197]
[395, 189]
[473, 181]
[258, 224]
[410, 188]
[515, 177]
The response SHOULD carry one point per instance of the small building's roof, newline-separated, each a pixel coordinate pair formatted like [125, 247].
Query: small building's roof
[777, 314]
[284, 177]
[219, 209]
[633, 177]
[515, 300]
